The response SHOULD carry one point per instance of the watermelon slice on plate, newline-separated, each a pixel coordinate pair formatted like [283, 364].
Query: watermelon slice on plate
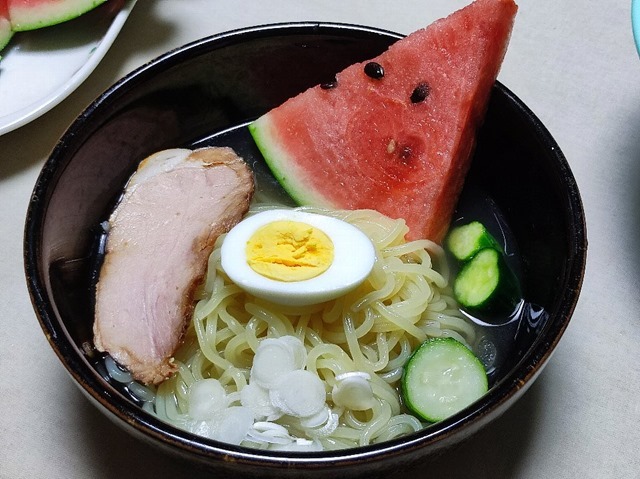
[5, 25]
[33, 14]
[397, 133]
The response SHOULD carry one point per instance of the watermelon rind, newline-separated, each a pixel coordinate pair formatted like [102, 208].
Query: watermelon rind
[283, 167]
[5, 32]
[44, 13]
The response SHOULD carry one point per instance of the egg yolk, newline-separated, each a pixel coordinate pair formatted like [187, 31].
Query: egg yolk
[289, 251]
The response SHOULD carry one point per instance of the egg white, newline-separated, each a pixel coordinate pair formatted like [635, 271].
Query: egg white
[354, 256]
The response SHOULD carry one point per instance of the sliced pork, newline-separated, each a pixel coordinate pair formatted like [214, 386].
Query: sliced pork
[160, 235]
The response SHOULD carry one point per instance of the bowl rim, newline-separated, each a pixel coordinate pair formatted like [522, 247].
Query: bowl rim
[127, 413]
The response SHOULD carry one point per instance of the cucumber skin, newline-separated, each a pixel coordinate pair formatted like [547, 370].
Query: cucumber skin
[484, 240]
[507, 293]
[413, 362]
[504, 297]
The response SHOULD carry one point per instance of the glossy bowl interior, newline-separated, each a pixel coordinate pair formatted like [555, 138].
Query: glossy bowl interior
[204, 93]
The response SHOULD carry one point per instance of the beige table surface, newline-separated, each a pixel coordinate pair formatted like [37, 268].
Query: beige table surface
[574, 64]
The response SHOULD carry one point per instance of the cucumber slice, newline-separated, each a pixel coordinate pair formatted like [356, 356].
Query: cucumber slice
[441, 378]
[466, 240]
[486, 284]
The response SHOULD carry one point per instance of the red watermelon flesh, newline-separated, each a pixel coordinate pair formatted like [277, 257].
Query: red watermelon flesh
[5, 26]
[33, 14]
[365, 145]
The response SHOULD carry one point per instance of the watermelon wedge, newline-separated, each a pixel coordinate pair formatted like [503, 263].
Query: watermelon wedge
[5, 25]
[33, 14]
[395, 134]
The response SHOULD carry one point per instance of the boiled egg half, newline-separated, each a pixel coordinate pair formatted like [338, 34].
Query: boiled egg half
[296, 257]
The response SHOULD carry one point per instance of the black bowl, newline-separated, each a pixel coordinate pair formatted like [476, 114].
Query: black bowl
[204, 93]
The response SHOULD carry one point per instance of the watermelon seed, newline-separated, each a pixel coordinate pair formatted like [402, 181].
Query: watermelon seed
[329, 85]
[374, 70]
[420, 93]
[405, 154]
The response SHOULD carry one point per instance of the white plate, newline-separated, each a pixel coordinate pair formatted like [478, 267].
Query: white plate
[42, 67]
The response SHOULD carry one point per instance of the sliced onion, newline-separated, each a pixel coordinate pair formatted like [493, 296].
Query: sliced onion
[233, 424]
[353, 392]
[201, 428]
[266, 426]
[316, 420]
[273, 358]
[327, 429]
[257, 399]
[297, 349]
[206, 398]
[264, 438]
[269, 433]
[299, 393]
